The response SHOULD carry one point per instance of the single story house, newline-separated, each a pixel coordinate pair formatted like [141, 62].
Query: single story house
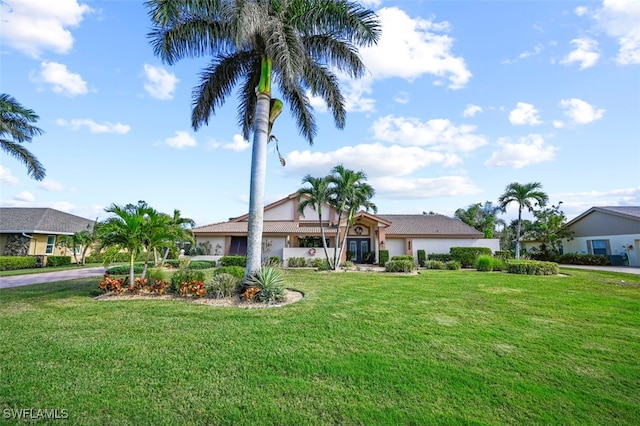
[34, 231]
[287, 233]
[607, 230]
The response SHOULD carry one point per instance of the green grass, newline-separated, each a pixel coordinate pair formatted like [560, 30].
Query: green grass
[442, 347]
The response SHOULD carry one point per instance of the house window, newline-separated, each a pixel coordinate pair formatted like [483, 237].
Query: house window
[51, 243]
[599, 246]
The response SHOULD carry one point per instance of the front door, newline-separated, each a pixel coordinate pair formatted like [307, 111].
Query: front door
[357, 248]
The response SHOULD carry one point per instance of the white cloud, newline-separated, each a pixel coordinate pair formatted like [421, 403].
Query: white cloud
[524, 113]
[63, 81]
[402, 98]
[24, 196]
[238, 143]
[558, 124]
[398, 160]
[182, 139]
[581, 10]
[51, 185]
[528, 150]
[160, 83]
[417, 188]
[440, 134]
[620, 19]
[586, 53]
[471, 110]
[94, 127]
[32, 26]
[7, 177]
[411, 47]
[581, 112]
[355, 92]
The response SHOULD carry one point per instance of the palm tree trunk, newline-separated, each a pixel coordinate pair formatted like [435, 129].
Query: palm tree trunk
[131, 272]
[257, 185]
[518, 232]
[324, 239]
[337, 254]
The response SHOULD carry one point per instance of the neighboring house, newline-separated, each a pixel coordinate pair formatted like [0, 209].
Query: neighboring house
[34, 231]
[607, 230]
[287, 233]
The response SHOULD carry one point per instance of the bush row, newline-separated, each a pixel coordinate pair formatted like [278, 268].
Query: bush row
[12, 263]
[584, 259]
[532, 267]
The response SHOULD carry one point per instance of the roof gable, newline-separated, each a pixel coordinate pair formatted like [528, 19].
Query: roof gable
[428, 225]
[41, 221]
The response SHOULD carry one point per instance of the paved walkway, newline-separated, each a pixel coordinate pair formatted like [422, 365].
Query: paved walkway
[623, 269]
[47, 277]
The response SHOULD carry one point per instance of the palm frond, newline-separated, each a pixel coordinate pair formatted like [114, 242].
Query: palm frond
[34, 168]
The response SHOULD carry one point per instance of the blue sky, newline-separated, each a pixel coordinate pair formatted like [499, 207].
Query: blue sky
[461, 99]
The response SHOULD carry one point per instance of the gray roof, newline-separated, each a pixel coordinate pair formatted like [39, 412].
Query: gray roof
[428, 225]
[41, 221]
[624, 210]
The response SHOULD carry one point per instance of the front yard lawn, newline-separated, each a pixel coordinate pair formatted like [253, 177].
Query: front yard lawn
[442, 347]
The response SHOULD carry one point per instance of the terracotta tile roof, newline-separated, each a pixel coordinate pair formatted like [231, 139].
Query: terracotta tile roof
[279, 227]
[428, 224]
[41, 221]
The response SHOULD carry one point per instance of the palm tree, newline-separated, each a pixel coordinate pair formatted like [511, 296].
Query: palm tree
[180, 228]
[524, 195]
[254, 42]
[15, 128]
[350, 193]
[315, 196]
[125, 231]
[482, 217]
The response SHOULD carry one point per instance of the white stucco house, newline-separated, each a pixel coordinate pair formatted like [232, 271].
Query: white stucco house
[291, 234]
[607, 230]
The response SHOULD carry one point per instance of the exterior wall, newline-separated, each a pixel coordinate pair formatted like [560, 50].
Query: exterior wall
[396, 246]
[598, 223]
[443, 245]
[304, 252]
[579, 245]
[277, 245]
[214, 241]
[284, 211]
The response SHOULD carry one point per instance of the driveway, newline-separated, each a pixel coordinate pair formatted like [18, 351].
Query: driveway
[623, 269]
[47, 277]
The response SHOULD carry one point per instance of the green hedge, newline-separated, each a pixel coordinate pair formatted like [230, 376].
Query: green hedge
[236, 271]
[442, 257]
[503, 254]
[403, 265]
[233, 261]
[532, 267]
[58, 260]
[202, 264]
[403, 257]
[383, 257]
[124, 269]
[422, 257]
[584, 259]
[11, 263]
[467, 256]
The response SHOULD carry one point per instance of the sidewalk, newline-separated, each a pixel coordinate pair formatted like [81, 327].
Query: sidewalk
[47, 277]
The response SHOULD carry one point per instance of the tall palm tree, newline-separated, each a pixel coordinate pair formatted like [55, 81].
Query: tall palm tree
[525, 195]
[16, 128]
[315, 196]
[293, 43]
[350, 193]
[483, 217]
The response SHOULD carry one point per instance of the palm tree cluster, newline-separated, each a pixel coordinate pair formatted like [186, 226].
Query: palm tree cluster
[138, 228]
[343, 189]
[16, 127]
[292, 43]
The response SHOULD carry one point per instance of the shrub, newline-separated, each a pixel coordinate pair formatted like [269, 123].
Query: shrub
[369, 257]
[383, 257]
[484, 263]
[422, 258]
[442, 257]
[58, 261]
[233, 261]
[270, 282]
[584, 259]
[157, 274]
[499, 264]
[224, 285]
[452, 265]
[274, 261]
[467, 256]
[435, 264]
[236, 271]
[316, 262]
[124, 269]
[503, 254]
[185, 276]
[402, 265]
[172, 263]
[197, 288]
[202, 264]
[347, 264]
[403, 257]
[297, 262]
[532, 267]
[11, 263]
[109, 284]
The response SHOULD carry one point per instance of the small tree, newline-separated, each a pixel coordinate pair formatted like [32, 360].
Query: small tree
[549, 230]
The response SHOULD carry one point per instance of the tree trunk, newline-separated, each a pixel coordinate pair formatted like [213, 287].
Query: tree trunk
[337, 254]
[518, 232]
[257, 185]
[132, 258]
[324, 239]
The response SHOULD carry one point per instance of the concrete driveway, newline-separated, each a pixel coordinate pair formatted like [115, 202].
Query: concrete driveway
[47, 277]
[623, 269]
